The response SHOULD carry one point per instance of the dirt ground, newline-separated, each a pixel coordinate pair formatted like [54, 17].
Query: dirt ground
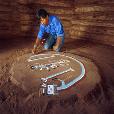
[100, 100]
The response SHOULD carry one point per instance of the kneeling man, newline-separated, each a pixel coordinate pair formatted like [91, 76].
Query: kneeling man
[52, 26]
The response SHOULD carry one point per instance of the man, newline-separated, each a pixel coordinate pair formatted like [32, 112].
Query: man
[51, 25]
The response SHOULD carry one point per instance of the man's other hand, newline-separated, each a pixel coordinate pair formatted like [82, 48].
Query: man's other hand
[55, 47]
[33, 51]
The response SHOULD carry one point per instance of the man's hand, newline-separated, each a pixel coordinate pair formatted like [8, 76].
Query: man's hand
[35, 45]
[33, 51]
[55, 47]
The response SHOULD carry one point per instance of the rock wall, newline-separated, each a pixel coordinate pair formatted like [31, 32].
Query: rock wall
[85, 19]
[94, 20]
[17, 19]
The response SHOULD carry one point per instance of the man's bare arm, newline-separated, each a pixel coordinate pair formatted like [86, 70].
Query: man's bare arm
[58, 43]
[37, 42]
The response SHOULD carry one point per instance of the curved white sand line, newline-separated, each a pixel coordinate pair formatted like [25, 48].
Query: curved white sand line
[63, 85]
[33, 59]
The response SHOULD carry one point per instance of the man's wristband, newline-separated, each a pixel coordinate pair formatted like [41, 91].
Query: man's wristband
[35, 46]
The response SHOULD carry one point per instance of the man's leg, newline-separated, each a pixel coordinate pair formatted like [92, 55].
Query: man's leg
[49, 42]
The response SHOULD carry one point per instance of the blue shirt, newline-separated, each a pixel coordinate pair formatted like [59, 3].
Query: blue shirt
[54, 28]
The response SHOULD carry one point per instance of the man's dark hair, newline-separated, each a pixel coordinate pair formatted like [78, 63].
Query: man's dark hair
[42, 13]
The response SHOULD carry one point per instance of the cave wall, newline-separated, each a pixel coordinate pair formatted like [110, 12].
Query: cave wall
[18, 18]
[94, 20]
[82, 19]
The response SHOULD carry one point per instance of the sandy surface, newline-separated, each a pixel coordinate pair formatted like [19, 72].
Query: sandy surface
[80, 100]
[23, 76]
